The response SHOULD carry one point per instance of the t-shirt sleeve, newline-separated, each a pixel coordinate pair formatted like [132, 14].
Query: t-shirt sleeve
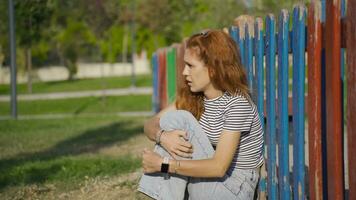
[238, 115]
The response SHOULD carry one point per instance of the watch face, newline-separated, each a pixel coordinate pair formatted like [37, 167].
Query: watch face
[164, 167]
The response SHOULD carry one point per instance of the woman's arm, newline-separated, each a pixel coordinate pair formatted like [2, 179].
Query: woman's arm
[151, 126]
[214, 167]
[171, 141]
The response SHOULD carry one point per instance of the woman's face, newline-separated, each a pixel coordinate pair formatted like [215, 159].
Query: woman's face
[196, 73]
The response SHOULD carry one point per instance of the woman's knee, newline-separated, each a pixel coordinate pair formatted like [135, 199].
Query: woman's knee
[176, 119]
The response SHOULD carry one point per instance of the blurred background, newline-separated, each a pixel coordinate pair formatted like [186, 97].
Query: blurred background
[84, 87]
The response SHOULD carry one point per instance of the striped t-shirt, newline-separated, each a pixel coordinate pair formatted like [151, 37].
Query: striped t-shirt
[235, 113]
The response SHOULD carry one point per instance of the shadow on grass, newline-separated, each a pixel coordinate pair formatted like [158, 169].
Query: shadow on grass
[86, 105]
[25, 169]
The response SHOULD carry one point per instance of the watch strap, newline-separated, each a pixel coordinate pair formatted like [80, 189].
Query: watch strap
[165, 165]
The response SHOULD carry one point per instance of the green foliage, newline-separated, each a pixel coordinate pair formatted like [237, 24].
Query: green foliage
[111, 45]
[73, 41]
[32, 17]
[92, 30]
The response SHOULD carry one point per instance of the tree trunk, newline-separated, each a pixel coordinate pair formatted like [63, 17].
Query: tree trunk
[124, 44]
[29, 69]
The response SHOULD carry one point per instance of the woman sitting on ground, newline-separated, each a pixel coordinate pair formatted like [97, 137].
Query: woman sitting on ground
[210, 141]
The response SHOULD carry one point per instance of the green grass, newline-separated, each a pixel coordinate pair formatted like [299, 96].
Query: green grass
[80, 85]
[64, 151]
[109, 104]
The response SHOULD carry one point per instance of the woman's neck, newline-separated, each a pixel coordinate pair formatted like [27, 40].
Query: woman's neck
[211, 94]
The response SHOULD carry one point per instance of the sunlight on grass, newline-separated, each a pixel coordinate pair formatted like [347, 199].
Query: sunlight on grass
[109, 104]
[80, 85]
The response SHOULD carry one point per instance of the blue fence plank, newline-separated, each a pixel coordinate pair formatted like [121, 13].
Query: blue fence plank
[271, 112]
[283, 145]
[298, 101]
[249, 35]
[233, 33]
[259, 88]
[155, 98]
[259, 54]
[241, 23]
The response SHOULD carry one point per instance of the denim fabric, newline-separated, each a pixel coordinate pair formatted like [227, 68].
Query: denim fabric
[236, 184]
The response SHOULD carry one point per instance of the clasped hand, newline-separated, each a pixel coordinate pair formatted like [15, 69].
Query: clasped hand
[176, 143]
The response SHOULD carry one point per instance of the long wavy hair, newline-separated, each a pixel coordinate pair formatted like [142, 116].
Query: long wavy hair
[220, 54]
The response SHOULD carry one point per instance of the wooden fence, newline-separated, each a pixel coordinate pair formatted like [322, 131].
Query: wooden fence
[309, 41]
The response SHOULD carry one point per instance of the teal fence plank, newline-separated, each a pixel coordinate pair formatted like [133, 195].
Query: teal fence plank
[298, 101]
[271, 112]
[282, 125]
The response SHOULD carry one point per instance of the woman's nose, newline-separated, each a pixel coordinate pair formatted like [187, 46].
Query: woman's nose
[185, 71]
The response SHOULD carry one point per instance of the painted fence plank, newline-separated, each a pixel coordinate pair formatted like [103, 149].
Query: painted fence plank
[283, 83]
[351, 94]
[259, 78]
[323, 104]
[314, 101]
[180, 81]
[249, 35]
[171, 74]
[233, 32]
[240, 23]
[270, 107]
[162, 78]
[298, 101]
[333, 101]
[155, 98]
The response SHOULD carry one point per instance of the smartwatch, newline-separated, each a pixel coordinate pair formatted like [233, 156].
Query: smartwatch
[165, 165]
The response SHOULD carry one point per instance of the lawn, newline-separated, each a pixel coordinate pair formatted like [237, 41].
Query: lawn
[61, 156]
[109, 104]
[80, 85]
[90, 153]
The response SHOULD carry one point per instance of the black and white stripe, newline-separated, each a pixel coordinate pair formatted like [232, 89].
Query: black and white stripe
[235, 113]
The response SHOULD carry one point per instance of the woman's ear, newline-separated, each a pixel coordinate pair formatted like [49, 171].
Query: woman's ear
[211, 72]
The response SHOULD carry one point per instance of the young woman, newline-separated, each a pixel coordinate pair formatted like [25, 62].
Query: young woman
[210, 141]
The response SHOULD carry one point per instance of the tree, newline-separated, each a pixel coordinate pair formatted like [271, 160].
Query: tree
[72, 42]
[32, 17]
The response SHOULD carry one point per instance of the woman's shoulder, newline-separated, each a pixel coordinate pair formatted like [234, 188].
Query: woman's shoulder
[239, 103]
[237, 99]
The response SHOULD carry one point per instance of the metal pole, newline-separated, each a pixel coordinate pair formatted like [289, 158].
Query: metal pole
[12, 59]
[133, 47]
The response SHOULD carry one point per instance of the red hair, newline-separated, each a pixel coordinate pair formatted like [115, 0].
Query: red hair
[220, 54]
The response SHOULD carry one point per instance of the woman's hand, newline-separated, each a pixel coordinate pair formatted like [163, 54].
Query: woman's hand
[151, 161]
[175, 142]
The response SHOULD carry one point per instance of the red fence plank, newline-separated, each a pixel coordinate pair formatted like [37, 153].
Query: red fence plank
[351, 94]
[180, 65]
[333, 101]
[162, 78]
[314, 100]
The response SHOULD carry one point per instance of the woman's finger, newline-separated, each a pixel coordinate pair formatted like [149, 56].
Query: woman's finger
[183, 154]
[184, 149]
[186, 144]
[183, 134]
